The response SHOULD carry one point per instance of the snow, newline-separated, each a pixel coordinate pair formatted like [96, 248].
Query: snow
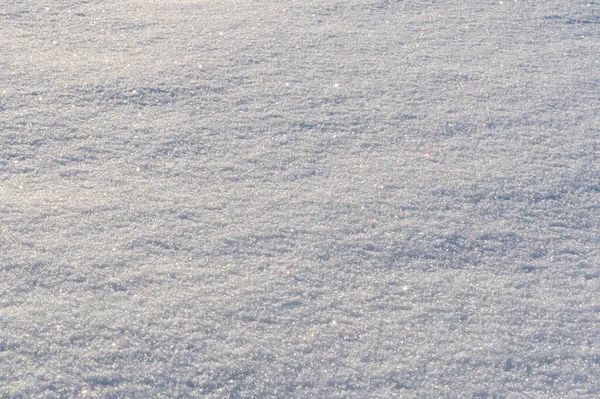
[333, 199]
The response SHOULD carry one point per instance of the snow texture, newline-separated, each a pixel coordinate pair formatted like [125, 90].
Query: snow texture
[299, 199]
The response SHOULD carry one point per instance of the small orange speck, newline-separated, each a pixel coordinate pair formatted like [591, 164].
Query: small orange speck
[427, 153]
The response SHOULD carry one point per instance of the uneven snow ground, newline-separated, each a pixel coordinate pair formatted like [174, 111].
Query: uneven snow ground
[294, 199]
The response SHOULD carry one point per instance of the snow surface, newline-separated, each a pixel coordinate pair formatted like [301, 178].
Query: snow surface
[299, 199]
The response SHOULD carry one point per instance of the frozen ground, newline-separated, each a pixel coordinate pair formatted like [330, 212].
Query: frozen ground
[299, 199]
